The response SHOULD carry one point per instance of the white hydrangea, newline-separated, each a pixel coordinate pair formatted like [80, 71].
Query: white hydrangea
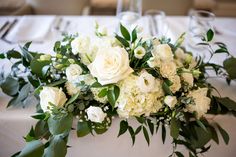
[163, 51]
[168, 69]
[133, 102]
[201, 102]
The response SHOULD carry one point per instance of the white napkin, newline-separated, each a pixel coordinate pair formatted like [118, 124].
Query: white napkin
[31, 28]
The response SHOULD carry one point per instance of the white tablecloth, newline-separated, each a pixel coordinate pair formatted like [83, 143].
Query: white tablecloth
[15, 123]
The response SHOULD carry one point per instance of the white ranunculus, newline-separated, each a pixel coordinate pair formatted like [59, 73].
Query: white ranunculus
[168, 69]
[147, 83]
[163, 51]
[139, 52]
[95, 114]
[73, 72]
[171, 101]
[154, 62]
[51, 95]
[201, 102]
[188, 78]
[110, 65]
[80, 45]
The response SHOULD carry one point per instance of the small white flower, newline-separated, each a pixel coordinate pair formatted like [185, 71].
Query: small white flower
[188, 78]
[80, 45]
[168, 69]
[45, 57]
[73, 72]
[163, 51]
[171, 101]
[95, 114]
[139, 52]
[51, 95]
[154, 62]
[71, 88]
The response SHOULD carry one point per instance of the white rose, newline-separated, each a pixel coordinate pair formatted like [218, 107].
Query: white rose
[168, 69]
[139, 52]
[147, 83]
[171, 101]
[110, 65]
[201, 102]
[176, 83]
[73, 72]
[154, 62]
[80, 45]
[71, 88]
[51, 95]
[188, 78]
[163, 51]
[95, 114]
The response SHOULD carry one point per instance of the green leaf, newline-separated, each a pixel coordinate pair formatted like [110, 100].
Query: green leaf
[102, 93]
[83, 129]
[163, 133]
[229, 65]
[123, 127]
[33, 148]
[58, 125]
[2, 56]
[96, 85]
[37, 66]
[174, 127]
[41, 129]
[145, 133]
[166, 89]
[134, 35]
[40, 116]
[30, 136]
[72, 99]
[227, 102]
[221, 50]
[124, 42]
[57, 147]
[138, 130]
[53, 84]
[179, 154]
[26, 54]
[214, 135]
[132, 134]
[113, 95]
[191, 155]
[151, 126]
[224, 134]
[124, 32]
[141, 120]
[10, 86]
[13, 54]
[210, 35]
[201, 125]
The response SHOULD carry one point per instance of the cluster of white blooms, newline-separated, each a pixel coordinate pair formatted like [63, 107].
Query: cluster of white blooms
[95, 114]
[135, 102]
[201, 102]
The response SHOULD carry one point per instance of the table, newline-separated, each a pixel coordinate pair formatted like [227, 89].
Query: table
[15, 123]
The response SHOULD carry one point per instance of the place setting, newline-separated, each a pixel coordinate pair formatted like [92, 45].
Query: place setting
[124, 78]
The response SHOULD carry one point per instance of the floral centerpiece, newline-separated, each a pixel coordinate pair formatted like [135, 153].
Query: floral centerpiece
[152, 80]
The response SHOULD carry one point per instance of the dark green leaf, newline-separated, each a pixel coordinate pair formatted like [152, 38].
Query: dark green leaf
[132, 134]
[2, 56]
[227, 102]
[123, 127]
[179, 154]
[122, 41]
[138, 130]
[56, 83]
[83, 129]
[10, 86]
[201, 125]
[191, 155]
[214, 135]
[33, 148]
[96, 85]
[210, 35]
[40, 116]
[57, 147]
[222, 50]
[58, 125]
[224, 134]
[141, 120]
[41, 129]
[13, 54]
[26, 54]
[229, 65]
[124, 32]
[151, 126]
[134, 35]
[37, 66]
[113, 95]
[174, 128]
[145, 133]
[72, 99]
[163, 133]
[102, 93]
[166, 88]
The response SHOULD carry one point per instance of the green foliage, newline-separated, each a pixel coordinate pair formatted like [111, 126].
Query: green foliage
[174, 127]
[145, 133]
[224, 134]
[124, 32]
[123, 127]
[39, 67]
[112, 95]
[10, 86]
[229, 65]
[33, 148]
[83, 129]
[210, 35]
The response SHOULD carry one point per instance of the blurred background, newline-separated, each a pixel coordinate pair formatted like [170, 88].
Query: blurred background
[108, 7]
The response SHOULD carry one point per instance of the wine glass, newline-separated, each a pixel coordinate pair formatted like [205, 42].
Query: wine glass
[199, 23]
[157, 22]
[129, 11]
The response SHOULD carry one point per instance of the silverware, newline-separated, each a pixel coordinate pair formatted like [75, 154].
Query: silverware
[4, 26]
[10, 26]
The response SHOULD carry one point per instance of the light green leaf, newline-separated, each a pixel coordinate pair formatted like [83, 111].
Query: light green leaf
[83, 129]
[123, 127]
[33, 148]
[59, 125]
[53, 84]
[124, 32]
[145, 133]
[102, 93]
